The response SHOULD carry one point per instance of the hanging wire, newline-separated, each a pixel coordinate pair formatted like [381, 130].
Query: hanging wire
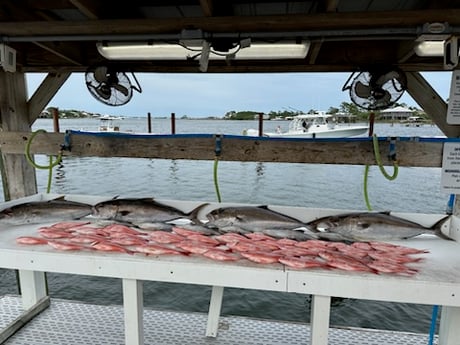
[382, 169]
[217, 151]
[366, 195]
[51, 164]
[366, 169]
[375, 141]
[216, 182]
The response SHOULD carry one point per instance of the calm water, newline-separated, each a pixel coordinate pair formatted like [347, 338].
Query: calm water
[308, 185]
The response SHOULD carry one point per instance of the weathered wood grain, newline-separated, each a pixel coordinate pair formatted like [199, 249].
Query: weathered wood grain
[409, 153]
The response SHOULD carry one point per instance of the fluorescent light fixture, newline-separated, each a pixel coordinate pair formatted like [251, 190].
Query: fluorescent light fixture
[164, 51]
[429, 48]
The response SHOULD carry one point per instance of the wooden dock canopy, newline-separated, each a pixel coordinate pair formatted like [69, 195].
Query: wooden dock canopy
[60, 37]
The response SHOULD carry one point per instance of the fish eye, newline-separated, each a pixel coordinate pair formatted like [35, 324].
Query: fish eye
[363, 225]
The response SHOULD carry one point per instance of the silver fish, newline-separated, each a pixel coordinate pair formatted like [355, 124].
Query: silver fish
[372, 226]
[36, 212]
[246, 219]
[140, 210]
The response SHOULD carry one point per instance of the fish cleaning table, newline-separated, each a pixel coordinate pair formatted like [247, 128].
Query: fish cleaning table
[436, 283]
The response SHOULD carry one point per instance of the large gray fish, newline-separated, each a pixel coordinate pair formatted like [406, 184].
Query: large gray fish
[246, 219]
[36, 212]
[372, 226]
[140, 210]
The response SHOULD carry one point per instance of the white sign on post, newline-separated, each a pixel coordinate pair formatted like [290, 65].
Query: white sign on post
[453, 108]
[450, 176]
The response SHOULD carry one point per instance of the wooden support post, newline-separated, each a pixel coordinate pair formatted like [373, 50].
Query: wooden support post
[215, 306]
[319, 316]
[261, 124]
[422, 92]
[18, 175]
[149, 123]
[173, 123]
[133, 305]
[55, 113]
[45, 92]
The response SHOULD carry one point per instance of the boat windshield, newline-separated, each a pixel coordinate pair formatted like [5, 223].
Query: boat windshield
[304, 123]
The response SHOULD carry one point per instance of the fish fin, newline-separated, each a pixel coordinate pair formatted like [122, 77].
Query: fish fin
[148, 199]
[437, 227]
[193, 214]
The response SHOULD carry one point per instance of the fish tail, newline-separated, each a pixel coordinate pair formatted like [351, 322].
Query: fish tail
[193, 214]
[437, 228]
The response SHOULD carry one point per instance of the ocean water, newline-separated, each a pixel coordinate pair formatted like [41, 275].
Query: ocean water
[306, 185]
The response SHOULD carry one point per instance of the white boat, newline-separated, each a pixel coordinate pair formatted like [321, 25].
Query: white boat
[316, 126]
[107, 124]
[414, 121]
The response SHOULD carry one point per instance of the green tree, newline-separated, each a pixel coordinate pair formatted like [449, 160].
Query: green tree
[333, 110]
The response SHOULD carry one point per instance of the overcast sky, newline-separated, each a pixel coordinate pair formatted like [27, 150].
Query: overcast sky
[206, 94]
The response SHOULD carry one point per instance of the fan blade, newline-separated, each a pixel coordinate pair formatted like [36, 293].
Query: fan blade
[385, 99]
[124, 90]
[362, 90]
[386, 77]
[103, 91]
[100, 74]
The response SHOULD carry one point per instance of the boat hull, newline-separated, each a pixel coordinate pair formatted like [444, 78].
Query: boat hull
[337, 132]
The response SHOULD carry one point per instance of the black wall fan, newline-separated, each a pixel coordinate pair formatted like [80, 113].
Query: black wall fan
[110, 86]
[376, 89]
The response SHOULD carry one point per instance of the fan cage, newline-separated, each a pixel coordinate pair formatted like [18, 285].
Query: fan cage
[116, 90]
[380, 96]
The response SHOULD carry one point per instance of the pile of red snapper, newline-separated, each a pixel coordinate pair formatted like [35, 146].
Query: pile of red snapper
[373, 257]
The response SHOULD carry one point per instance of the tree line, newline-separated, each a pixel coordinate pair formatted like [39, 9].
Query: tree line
[345, 108]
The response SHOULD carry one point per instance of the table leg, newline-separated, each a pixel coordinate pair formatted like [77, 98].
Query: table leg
[449, 332]
[133, 305]
[214, 311]
[33, 287]
[319, 319]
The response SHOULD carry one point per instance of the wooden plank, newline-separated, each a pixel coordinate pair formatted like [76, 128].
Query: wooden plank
[307, 22]
[409, 153]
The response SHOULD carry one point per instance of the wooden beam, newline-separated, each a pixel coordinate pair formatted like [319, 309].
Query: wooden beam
[64, 54]
[299, 22]
[44, 93]
[430, 101]
[87, 7]
[409, 153]
[207, 7]
[18, 176]
[330, 6]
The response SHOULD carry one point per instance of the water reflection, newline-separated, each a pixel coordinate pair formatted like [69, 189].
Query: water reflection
[260, 169]
[59, 173]
[174, 170]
